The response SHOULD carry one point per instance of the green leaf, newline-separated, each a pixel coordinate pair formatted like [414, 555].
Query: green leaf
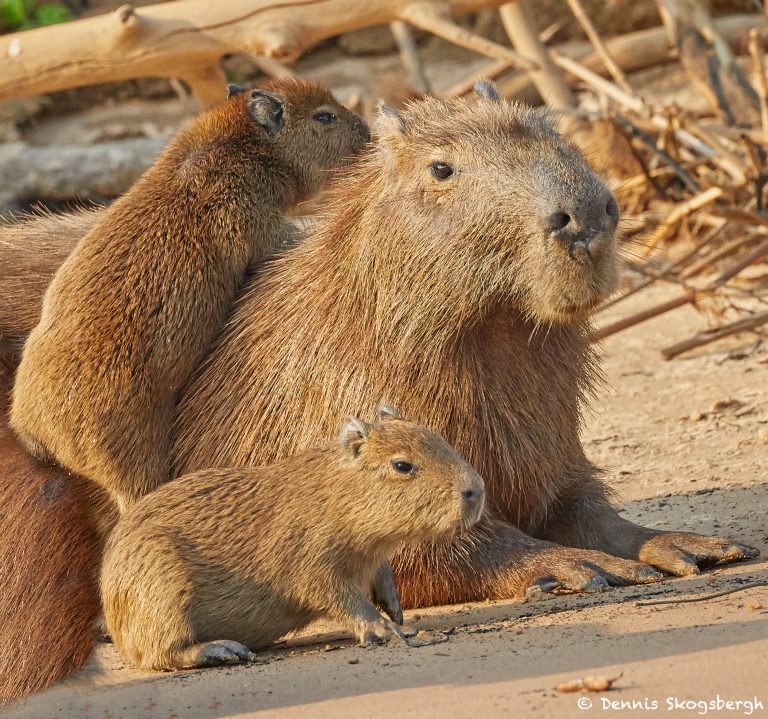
[52, 14]
[13, 13]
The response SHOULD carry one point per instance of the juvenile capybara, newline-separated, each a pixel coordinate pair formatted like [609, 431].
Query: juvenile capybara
[452, 275]
[312, 532]
[131, 311]
[127, 318]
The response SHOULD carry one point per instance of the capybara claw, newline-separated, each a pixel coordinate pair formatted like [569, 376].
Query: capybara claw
[565, 570]
[382, 631]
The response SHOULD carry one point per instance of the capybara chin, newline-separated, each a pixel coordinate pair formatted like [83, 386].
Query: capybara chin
[224, 561]
[450, 275]
[132, 310]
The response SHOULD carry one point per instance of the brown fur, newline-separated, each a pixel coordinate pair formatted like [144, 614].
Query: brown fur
[181, 589]
[216, 203]
[449, 304]
[129, 315]
[31, 251]
[49, 560]
[451, 300]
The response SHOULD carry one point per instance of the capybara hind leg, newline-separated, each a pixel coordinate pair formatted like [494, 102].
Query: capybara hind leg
[210, 654]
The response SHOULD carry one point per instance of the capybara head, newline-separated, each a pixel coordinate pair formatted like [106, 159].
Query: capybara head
[420, 486]
[499, 206]
[311, 131]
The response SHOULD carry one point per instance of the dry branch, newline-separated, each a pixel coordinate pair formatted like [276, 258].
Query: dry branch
[636, 50]
[702, 338]
[589, 29]
[758, 63]
[689, 296]
[708, 61]
[601, 333]
[187, 38]
[435, 17]
[409, 56]
[548, 79]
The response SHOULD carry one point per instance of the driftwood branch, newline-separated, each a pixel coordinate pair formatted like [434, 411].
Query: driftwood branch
[187, 38]
[409, 56]
[758, 64]
[708, 61]
[435, 17]
[605, 55]
[689, 296]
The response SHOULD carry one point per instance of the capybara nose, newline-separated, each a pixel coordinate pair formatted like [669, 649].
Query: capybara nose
[362, 128]
[472, 490]
[584, 223]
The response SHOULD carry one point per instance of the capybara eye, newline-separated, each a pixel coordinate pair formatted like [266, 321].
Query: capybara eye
[325, 118]
[440, 170]
[401, 466]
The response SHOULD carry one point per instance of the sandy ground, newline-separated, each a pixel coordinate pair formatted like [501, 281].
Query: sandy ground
[687, 445]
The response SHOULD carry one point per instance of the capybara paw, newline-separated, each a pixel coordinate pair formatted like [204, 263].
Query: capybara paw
[215, 654]
[565, 570]
[381, 631]
[684, 554]
[375, 631]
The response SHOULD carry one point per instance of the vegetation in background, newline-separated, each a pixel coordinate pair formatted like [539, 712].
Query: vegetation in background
[26, 14]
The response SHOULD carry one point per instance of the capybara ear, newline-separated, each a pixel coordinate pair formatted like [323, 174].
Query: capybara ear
[388, 123]
[386, 413]
[268, 109]
[486, 89]
[354, 434]
[233, 90]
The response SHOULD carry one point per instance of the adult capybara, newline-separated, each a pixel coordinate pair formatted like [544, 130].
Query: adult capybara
[452, 276]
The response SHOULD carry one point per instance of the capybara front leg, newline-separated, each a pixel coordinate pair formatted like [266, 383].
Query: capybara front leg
[384, 593]
[368, 626]
[588, 520]
[496, 561]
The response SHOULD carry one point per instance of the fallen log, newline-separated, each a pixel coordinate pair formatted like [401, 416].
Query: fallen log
[103, 170]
